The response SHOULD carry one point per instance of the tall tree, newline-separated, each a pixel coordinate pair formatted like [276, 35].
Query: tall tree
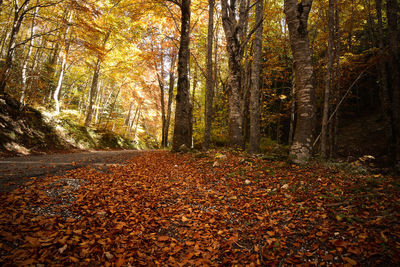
[95, 82]
[392, 9]
[183, 110]
[325, 112]
[209, 79]
[255, 112]
[234, 21]
[297, 19]
[24, 75]
[64, 55]
[383, 82]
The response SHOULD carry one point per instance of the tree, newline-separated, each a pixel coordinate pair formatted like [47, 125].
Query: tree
[64, 55]
[183, 114]
[233, 22]
[297, 20]
[209, 79]
[255, 113]
[20, 12]
[392, 18]
[325, 115]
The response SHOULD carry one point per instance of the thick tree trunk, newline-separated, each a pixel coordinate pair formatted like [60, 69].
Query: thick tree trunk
[392, 17]
[297, 17]
[329, 71]
[233, 29]
[183, 120]
[255, 107]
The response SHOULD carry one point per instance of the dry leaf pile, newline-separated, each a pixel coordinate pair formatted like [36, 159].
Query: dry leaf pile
[172, 209]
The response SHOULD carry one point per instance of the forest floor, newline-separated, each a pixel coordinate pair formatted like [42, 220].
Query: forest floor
[215, 208]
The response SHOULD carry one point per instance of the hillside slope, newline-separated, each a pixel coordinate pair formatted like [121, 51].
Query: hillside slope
[25, 130]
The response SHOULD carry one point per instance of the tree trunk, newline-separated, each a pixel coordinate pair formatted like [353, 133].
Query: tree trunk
[384, 92]
[93, 92]
[183, 120]
[292, 110]
[24, 77]
[392, 17]
[297, 17]
[325, 112]
[337, 77]
[255, 107]
[170, 97]
[209, 79]
[233, 29]
[19, 15]
[94, 86]
[64, 55]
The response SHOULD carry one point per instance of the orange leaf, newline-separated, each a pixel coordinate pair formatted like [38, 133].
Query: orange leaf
[119, 262]
[163, 238]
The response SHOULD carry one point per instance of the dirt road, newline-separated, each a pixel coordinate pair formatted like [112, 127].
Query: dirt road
[17, 170]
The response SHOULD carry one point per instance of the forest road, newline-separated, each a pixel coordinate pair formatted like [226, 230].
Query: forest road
[17, 170]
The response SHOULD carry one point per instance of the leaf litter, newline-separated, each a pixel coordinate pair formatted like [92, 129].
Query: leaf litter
[184, 210]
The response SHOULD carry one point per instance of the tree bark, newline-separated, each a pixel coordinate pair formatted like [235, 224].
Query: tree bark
[297, 17]
[255, 107]
[209, 79]
[392, 18]
[384, 89]
[325, 112]
[183, 120]
[93, 92]
[233, 29]
[170, 97]
[64, 55]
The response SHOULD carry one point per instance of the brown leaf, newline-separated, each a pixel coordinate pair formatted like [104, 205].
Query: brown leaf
[349, 260]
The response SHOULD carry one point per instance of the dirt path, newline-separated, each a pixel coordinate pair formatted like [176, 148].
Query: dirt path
[17, 170]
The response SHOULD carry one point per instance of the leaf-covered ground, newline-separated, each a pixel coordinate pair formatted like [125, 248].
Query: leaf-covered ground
[202, 209]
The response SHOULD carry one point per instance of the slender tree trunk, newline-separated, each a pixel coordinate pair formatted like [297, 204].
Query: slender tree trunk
[64, 55]
[325, 112]
[209, 79]
[337, 77]
[93, 92]
[255, 106]
[183, 120]
[19, 15]
[170, 97]
[392, 17]
[297, 17]
[384, 92]
[24, 77]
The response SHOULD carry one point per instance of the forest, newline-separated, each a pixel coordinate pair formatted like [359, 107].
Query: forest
[312, 78]
[258, 133]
